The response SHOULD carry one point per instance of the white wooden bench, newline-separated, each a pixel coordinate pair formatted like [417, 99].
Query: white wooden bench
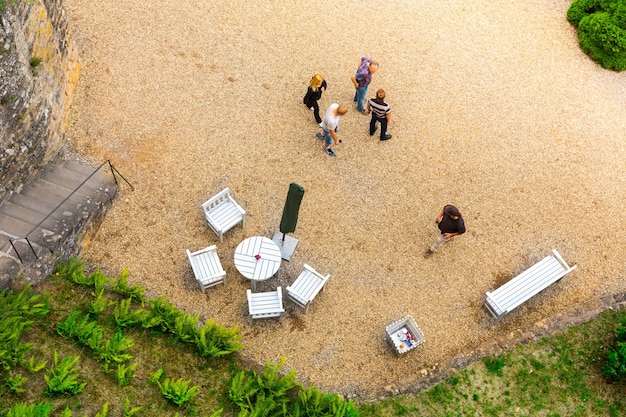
[527, 284]
[263, 305]
[223, 213]
[306, 286]
[206, 267]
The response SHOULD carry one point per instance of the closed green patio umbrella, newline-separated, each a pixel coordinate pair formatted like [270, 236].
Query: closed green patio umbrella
[291, 209]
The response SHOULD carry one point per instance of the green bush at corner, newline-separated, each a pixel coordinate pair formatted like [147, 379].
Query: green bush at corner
[601, 30]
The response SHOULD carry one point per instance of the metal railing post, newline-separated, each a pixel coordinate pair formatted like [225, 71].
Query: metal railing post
[16, 252]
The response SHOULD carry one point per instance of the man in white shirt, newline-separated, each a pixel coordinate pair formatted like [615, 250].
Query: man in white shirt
[330, 125]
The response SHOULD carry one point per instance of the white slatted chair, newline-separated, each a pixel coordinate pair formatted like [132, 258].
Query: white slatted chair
[263, 305]
[223, 213]
[206, 267]
[306, 286]
[527, 284]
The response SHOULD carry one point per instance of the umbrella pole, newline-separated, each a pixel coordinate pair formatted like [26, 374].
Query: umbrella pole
[284, 239]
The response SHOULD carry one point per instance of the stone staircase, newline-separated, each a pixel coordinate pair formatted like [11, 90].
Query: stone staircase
[54, 233]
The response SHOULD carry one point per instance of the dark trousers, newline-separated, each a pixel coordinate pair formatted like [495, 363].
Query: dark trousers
[316, 110]
[383, 125]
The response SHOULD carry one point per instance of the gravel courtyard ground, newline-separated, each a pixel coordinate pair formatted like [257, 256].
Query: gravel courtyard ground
[495, 110]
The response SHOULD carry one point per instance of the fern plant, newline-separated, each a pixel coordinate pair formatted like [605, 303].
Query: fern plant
[176, 391]
[33, 410]
[263, 394]
[125, 373]
[74, 270]
[99, 303]
[134, 291]
[104, 411]
[89, 333]
[125, 317]
[83, 328]
[313, 402]
[213, 340]
[130, 411]
[17, 312]
[15, 383]
[100, 281]
[185, 327]
[114, 349]
[32, 367]
[62, 377]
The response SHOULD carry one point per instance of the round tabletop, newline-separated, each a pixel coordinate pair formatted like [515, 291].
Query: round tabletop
[257, 258]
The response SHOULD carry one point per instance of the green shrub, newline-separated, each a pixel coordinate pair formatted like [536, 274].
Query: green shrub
[581, 8]
[90, 334]
[175, 391]
[213, 340]
[266, 394]
[130, 411]
[615, 366]
[32, 367]
[15, 383]
[74, 270]
[104, 411]
[601, 30]
[25, 410]
[100, 281]
[62, 377]
[313, 402]
[18, 310]
[125, 317]
[99, 303]
[134, 291]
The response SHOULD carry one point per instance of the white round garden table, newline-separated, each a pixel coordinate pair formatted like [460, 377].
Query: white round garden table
[257, 258]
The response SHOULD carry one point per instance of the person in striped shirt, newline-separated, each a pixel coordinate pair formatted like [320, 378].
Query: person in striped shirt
[381, 113]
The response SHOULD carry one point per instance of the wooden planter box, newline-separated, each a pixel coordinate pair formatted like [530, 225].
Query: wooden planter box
[398, 335]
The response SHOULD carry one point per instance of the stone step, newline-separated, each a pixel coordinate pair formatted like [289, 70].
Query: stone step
[59, 191]
[33, 204]
[46, 200]
[45, 234]
[71, 179]
[23, 213]
[14, 226]
[84, 169]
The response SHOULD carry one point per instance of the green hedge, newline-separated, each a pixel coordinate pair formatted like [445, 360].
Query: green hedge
[601, 30]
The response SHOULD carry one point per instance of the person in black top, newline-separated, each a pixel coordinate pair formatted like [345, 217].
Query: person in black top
[317, 85]
[450, 224]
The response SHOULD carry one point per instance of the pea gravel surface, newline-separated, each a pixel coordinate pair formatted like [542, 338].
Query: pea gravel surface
[495, 109]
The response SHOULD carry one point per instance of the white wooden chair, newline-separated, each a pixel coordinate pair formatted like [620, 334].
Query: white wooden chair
[527, 284]
[223, 213]
[206, 267]
[263, 305]
[306, 286]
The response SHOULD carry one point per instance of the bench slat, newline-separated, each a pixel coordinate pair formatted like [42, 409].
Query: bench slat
[527, 284]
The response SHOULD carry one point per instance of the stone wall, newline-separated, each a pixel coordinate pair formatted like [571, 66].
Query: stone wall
[39, 69]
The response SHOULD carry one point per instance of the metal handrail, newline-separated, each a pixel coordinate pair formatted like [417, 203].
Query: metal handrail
[10, 240]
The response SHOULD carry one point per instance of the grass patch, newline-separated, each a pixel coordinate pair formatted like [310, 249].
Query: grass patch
[560, 375]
